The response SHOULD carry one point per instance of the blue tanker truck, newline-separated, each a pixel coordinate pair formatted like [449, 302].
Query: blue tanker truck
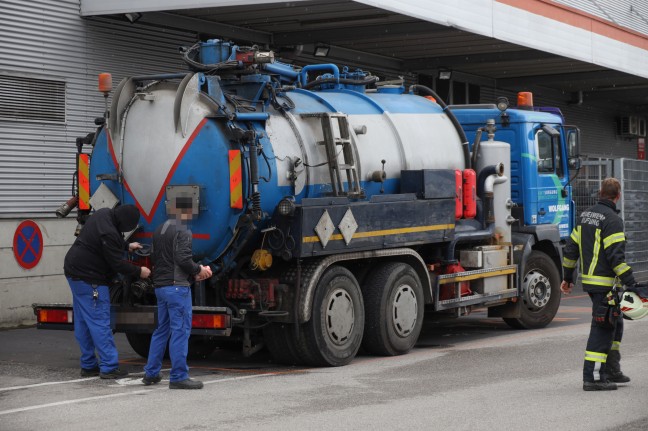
[334, 211]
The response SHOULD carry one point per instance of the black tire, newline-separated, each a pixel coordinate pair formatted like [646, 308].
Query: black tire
[333, 335]
[394, 308]
[540, 293]
[280, 341]
[140, 343]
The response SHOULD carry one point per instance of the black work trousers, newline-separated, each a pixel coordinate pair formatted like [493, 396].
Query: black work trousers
[599, 343]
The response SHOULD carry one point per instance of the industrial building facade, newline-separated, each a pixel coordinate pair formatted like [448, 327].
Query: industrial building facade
[587, 57]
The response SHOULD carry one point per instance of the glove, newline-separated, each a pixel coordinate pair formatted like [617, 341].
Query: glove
[640, 289]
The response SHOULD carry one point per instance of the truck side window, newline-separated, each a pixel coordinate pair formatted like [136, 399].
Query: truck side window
[545, 152]
[549, 154]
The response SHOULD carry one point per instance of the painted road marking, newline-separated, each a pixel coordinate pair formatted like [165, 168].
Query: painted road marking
[14, 388]
[35, 385]
[121, 394]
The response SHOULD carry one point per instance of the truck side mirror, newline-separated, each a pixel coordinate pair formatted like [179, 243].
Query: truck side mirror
[574, 163]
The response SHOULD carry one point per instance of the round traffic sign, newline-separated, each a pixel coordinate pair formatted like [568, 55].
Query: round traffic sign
[28, 244]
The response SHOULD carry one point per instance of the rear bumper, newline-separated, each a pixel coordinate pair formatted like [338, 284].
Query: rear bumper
[138, 319]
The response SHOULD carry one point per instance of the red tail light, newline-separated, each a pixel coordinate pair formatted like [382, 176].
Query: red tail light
[210, 321]
[54, 316]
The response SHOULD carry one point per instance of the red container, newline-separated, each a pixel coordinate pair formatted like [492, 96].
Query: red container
[469, 193]
[458, 194]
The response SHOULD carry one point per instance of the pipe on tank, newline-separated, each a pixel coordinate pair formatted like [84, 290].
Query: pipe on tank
[303, 76]
[485, 183]
[282, 69]
[462, 135]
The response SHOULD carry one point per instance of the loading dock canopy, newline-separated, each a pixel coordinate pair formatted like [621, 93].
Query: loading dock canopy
[506, 44]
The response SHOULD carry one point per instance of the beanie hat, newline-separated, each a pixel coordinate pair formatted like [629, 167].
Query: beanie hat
[127, 217]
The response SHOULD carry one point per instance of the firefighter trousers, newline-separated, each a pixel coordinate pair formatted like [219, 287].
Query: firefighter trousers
[601, 340]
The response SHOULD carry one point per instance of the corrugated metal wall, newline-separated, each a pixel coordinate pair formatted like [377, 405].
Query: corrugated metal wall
[47, 39]
[632, 14]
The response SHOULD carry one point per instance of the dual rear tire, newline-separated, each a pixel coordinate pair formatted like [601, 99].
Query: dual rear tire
[387, 311]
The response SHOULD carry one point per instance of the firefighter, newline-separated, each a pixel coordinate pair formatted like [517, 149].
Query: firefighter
[96, 256]
[599, 242]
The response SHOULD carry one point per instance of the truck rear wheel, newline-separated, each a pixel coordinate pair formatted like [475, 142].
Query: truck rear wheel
[140, 343]
[540, 293]
[394, 308]
[333, 335]
[280, 340]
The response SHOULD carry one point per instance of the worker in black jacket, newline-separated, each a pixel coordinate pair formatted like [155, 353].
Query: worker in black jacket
[173, 273]
[94, 259]
[599, 242]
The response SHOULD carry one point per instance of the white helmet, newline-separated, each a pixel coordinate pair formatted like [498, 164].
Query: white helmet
[633, 306]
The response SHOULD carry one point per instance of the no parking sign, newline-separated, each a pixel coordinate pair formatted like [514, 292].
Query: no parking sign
[28, 244]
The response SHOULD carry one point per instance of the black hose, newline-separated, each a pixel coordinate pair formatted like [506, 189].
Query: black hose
[416, 88]
[477, 235]
[476, 145]
[318, 82]
[195, 65]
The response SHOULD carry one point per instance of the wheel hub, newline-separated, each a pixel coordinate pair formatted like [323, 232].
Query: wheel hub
[537, 290]
[404, 310]
[340, 316]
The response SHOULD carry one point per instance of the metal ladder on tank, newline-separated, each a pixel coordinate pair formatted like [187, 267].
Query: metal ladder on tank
[331, 143]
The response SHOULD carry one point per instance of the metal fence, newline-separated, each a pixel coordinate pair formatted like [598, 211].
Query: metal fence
[633, 175]
[588, 182]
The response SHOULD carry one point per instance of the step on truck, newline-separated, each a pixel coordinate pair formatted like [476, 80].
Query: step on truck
[334, 210]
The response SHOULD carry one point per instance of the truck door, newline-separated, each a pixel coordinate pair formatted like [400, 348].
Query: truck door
[553, 205]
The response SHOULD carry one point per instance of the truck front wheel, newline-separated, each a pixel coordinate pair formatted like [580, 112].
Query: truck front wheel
[540, 293]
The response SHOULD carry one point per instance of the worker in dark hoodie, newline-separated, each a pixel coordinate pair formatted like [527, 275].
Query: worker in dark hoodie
[94, 259]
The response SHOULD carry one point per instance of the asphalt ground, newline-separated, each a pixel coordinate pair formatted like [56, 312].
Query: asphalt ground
[472, 373]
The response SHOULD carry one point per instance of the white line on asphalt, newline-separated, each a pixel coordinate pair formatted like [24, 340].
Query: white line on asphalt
[13, 388]
[121, 394]
[35, 385]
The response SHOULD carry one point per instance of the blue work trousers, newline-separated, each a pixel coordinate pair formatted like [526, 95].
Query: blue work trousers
[92, 326]
[174, 326]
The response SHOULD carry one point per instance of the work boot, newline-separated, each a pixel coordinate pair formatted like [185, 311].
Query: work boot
[186, 384]
[89, 372]
[151, 380]
[613, 368]
[117, 373]
[599, 385]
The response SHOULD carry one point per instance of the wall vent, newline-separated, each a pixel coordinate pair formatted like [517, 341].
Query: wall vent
[32, 99]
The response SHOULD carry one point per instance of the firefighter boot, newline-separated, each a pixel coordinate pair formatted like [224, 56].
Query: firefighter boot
[613, 368]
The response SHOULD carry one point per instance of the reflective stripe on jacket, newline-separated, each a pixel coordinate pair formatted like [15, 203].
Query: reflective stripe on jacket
[599, 242]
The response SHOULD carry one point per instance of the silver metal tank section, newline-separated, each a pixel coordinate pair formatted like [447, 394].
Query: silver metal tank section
[492, 153]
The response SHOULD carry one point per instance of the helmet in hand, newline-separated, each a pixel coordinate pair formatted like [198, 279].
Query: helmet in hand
[633, 306]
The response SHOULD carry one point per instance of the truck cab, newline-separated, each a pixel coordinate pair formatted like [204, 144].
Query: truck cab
[543, 150]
